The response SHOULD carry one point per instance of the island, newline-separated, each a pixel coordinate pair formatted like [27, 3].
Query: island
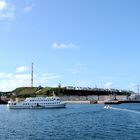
[68, 94]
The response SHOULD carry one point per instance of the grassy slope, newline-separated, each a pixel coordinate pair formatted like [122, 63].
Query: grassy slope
[33, 91]
[48, 91]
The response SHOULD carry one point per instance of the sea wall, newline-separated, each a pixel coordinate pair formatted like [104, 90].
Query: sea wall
[93, 98]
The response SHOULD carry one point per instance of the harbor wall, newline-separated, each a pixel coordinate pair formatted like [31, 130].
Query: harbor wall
[93, 98]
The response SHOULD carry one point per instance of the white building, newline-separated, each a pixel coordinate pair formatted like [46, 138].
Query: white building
[135, 97]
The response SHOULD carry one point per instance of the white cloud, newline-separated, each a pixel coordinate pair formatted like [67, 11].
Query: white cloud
[27, 9]
[11, 84]
[4, 75]
[133, 85]
[22, 76]
[47, 79]
[46, 76]
[3, 5]
[7, 15]
[108, 85]
[63, 46]
[10, 81]
[22, 69]
[7, 10]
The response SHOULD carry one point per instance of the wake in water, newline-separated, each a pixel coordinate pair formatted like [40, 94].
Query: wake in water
[121, 109]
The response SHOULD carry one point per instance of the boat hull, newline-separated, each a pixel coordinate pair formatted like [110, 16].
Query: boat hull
[62, 105]
[112, 102]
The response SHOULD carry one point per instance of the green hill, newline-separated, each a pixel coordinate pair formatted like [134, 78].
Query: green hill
[34, 91]
[24, 92]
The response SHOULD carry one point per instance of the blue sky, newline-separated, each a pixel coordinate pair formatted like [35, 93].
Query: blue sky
[75, 42]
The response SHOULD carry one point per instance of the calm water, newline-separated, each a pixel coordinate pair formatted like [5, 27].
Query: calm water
[75, 122]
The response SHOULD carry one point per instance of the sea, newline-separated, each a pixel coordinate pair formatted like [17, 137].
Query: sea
[75, 122]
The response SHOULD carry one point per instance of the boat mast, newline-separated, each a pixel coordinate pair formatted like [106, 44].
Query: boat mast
[32, 67]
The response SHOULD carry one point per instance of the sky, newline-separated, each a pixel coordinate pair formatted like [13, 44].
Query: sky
[84, 43]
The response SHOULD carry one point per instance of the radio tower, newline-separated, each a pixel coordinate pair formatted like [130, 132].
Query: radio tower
[32, 71]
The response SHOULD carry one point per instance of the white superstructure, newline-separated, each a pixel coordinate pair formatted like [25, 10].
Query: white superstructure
[37, 102]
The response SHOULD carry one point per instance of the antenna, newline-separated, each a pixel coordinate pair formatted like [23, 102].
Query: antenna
[32, 71]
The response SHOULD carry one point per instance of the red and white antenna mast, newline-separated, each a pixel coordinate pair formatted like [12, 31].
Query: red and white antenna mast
[32, 72]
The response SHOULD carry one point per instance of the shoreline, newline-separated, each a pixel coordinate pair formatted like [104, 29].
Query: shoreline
[77, 102]
[91, 102]
[99, 102]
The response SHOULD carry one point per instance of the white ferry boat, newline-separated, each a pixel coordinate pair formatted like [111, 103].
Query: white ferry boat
[37, 102]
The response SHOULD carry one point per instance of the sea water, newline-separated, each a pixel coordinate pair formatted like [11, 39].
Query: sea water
[75, 122]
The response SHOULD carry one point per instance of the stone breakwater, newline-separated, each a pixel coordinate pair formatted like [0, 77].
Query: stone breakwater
[78, 102]
[92, 98]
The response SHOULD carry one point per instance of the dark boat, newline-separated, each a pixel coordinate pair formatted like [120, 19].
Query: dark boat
[111, 102]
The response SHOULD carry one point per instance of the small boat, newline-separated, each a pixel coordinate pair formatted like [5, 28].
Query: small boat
[37, 102]
[107, 107]
[111, 102]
